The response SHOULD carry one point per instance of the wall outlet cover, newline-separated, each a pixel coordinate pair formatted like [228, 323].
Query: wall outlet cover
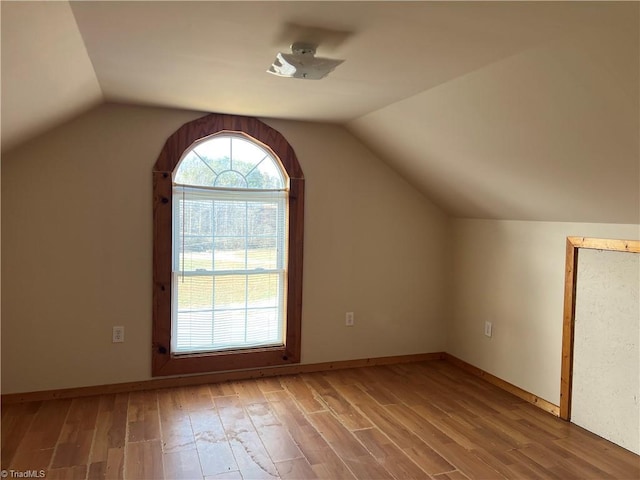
[488, 329]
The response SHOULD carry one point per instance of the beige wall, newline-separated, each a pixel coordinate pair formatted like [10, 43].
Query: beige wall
[76, 251]
[76, 260]
[511, 273]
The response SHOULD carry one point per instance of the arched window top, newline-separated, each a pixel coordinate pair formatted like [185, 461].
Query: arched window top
[189, 141]
[230, 160]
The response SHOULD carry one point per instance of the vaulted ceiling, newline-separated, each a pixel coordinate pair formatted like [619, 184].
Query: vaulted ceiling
[515, 110]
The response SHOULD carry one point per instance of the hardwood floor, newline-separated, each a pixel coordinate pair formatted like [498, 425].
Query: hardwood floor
[419, 420]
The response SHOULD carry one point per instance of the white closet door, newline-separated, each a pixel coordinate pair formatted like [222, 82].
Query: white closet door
[606, 385]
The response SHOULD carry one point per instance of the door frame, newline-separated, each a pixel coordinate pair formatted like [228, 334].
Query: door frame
[574, 244]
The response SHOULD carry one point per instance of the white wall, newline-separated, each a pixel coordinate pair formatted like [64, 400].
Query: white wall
[512, 274]
[606, 358]
[76, 251]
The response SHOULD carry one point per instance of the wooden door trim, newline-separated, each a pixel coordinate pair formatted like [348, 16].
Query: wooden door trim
[574, 244]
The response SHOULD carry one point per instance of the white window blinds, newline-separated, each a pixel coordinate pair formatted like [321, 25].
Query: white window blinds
[229, 251]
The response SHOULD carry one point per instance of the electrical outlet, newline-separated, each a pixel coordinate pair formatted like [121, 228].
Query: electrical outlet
[488, 329]
[118, 334]
[348, 321]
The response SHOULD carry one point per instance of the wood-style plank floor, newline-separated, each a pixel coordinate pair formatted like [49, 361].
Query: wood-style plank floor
[419, 420]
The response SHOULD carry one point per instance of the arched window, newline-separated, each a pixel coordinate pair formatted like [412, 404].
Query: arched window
[228, 212]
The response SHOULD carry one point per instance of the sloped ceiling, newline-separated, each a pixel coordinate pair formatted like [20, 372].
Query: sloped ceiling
[550, 133]
[494, 110]
[47, 77]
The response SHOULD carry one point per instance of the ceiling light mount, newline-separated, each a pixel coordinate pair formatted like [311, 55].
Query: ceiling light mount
[302, 48]
[302, 63]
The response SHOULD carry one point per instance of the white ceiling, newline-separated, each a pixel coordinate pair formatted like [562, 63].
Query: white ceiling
[495, 110]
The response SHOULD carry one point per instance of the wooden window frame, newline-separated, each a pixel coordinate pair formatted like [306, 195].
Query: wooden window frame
[163, 362]
[574, 244]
